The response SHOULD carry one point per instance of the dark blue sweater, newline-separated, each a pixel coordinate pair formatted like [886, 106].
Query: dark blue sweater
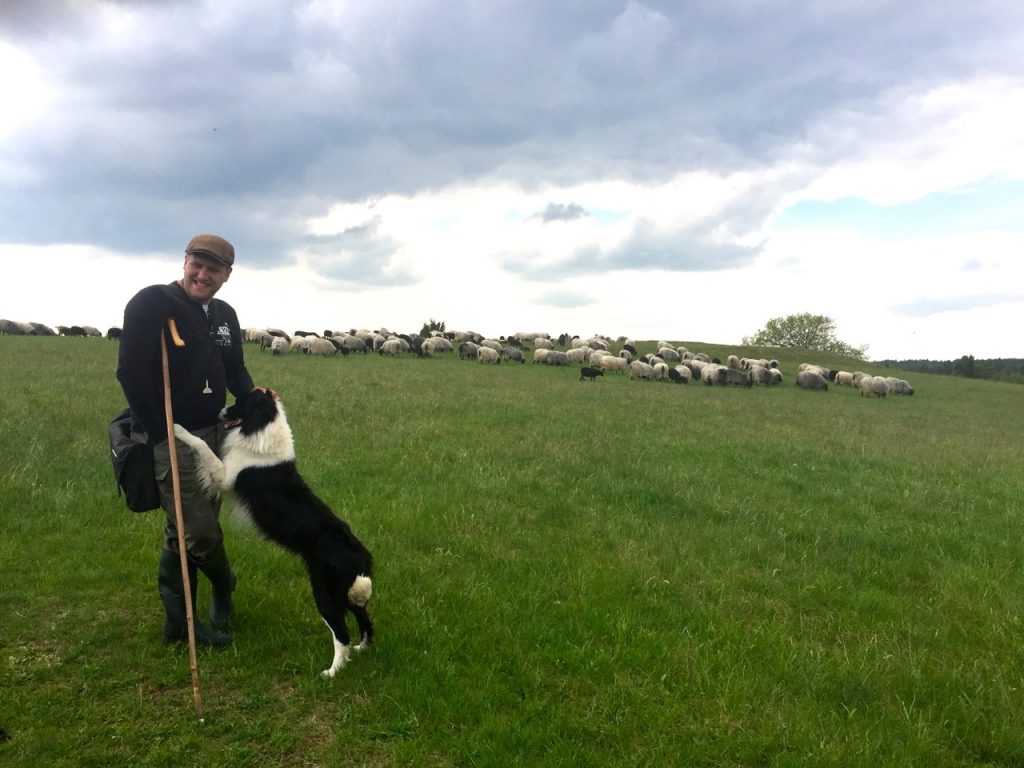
[211, 359]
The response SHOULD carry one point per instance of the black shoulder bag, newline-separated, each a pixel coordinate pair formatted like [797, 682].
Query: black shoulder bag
[133, 465]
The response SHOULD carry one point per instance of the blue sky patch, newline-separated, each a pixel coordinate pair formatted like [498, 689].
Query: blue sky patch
[994, 204]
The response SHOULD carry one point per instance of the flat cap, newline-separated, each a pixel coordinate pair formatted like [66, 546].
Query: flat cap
[213, 246]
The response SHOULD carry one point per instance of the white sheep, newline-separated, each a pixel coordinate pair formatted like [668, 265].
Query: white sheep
[323, 347]
[300, 344]
[873, 386]
[441, 344]
[489, 355]
[669, 355]
[708, 372]
[278, 346]
[609, 362]
[638, 369]
[539, 355]
[390, 347]
[818, 369]
[685, 375]
[844, 378]
[542, 343]
[811, 380]
[899, 386]
[578, 355]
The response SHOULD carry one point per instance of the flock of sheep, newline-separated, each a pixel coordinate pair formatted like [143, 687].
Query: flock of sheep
[670, 363]
[12, 328]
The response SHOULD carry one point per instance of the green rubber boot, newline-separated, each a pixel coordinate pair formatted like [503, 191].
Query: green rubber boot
[172, 593]
[223, 580]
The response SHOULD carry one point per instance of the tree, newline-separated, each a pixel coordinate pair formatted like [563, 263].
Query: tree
[433, 325]
[965, 367]
[806, 331]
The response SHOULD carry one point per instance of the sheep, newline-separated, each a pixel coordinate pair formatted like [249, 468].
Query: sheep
[726, 376]
[758, 374]
[555, 357]
[626, 355]
[811, 380]
[660, 371]
[342, 349]
[267, 341]
[74, 330]
[597, 354]
[680, 374]
[279, 332]
[300, 344]
[844, 379]
[279, 346]
[532, 337]
[541, 343]
[10, 328]
[540, 355]
[733, 362]
[873, 386]
[467, 350]
[390, 347]
[578, 355]
[709, 373]
[322, 347]
[590, 374]
[493, 344]
[695, 366]
[42, 330]
[824, 372]
[441, 344]
[774, 377]
[114, 332]
[610, 363]
[669, 355]
[858, 377]
[594, 342]
[638, 369]
[488, 355]
[354, 343]
[512, 354]
[899, 386]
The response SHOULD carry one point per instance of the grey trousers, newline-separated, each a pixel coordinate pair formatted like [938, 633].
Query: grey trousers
[203, 535]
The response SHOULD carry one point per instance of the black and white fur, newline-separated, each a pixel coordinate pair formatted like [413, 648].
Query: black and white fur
[257, 464]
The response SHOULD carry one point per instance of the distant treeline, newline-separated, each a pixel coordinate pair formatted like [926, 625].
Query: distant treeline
[1010, 369]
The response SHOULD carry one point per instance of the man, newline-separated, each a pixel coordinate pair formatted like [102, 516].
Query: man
[201, 372]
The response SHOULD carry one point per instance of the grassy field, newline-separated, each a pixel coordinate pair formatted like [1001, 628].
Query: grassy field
[568, 574]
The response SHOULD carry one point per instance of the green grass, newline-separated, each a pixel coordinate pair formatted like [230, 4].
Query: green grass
[609, 573]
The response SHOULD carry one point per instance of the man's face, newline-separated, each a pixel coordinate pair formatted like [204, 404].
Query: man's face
[203, 277]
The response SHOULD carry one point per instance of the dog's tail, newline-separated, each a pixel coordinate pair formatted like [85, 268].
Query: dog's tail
[360, 592]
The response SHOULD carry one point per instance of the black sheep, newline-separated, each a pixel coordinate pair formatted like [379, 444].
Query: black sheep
[590, 373]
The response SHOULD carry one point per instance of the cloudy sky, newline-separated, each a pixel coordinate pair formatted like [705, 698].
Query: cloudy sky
[677, 170]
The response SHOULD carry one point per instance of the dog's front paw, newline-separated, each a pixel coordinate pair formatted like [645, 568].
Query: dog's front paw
[328, 672]
[181, 433]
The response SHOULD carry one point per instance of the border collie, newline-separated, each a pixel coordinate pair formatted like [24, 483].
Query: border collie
[257, 464]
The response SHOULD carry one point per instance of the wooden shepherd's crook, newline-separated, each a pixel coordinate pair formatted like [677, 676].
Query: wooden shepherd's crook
[179, 516]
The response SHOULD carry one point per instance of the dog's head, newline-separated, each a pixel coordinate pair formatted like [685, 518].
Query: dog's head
[253, 411]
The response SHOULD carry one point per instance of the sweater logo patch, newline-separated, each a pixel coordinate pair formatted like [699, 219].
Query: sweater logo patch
[222, 336]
